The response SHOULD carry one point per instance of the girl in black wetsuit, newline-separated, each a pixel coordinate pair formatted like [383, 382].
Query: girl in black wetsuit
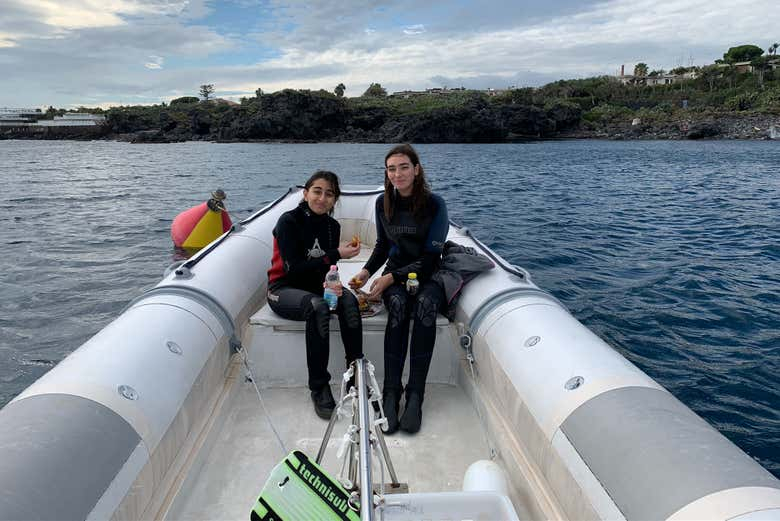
[306, 244]
[412, 226]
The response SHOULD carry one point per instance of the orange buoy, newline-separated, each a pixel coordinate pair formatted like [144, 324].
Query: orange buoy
[201, 224]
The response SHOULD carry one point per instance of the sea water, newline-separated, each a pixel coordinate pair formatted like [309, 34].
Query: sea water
[670, 251]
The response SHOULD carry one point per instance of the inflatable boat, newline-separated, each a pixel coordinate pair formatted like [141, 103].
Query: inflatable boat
[183, 406]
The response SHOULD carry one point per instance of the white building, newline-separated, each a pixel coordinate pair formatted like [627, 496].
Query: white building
[73, 119]
[16, 117]
[29, 118]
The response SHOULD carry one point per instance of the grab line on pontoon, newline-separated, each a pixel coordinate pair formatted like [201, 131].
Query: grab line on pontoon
[251, 377]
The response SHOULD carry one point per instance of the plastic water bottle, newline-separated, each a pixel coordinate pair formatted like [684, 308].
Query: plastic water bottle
[331, 282]
[412, 284]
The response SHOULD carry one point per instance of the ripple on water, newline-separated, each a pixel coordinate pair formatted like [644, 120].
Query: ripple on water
[668, 251]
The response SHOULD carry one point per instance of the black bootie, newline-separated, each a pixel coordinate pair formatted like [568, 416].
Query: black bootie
[324, 404]
[390, 401]
[412, 417]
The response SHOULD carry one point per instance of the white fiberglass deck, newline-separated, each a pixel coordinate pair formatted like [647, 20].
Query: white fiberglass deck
[245, 448]
[234, 462]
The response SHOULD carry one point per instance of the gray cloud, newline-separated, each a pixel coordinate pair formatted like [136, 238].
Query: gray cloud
[137, 51]
[52, 65]
[320, 25]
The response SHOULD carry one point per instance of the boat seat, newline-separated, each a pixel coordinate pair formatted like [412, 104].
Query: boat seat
[266, 317]
[365, 229]
[348, 268]
[277, 348]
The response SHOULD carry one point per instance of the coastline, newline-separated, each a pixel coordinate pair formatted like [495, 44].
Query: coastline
[728, 126]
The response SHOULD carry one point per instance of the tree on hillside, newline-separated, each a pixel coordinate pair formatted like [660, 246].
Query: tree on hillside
[259, 92]
[710, 74]
[772, 51]
[184, 100]
[742, 53]
[206, 91]
[761, 66]
[339, 90]
[375, 90]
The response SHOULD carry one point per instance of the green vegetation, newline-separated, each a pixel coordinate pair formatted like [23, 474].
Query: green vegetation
[375, 90]
[185, 100]
[206, 91]
[400, 105]
[742, 53]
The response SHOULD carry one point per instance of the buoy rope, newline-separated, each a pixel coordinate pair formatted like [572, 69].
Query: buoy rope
[251, 378]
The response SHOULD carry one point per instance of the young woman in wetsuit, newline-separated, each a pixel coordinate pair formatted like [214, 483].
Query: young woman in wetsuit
[412, 226]
[306, 244]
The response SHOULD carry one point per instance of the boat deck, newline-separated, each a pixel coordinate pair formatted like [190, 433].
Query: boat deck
[245, 449]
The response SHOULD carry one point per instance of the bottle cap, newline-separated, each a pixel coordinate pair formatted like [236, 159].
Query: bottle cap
[412, 275]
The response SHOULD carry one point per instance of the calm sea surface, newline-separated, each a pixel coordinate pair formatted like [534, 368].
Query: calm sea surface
[670, 251]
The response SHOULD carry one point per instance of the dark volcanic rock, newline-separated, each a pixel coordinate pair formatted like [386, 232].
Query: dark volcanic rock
[564, 115]
[150, 136]
[702, 130]
[167, 123]
[528, 121]
[446, 125]
[476, 122]
[200, 122]
[368, 119]
[289, 114]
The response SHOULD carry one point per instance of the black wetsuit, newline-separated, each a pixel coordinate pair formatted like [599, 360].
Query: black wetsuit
[305, 246]
[410, 243]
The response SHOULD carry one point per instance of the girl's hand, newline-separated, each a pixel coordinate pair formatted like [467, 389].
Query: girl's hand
[348, 250]
[359, 280]
[379, 286]
[338, 288]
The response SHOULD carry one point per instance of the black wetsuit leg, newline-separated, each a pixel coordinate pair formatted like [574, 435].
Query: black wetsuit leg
[396, 335]
[351, 326]
[297, 304]
[425, 309]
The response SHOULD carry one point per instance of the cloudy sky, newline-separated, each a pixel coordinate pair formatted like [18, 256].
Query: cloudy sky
[110, 52]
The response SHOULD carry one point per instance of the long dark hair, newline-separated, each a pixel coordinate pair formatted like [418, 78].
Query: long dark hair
[421, 190]
[328, 176]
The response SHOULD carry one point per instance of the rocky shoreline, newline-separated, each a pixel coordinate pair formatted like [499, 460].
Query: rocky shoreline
[286, 119]
[723, 127]
[732, 128]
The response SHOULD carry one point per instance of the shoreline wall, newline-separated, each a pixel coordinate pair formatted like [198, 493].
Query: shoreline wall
[64, 132]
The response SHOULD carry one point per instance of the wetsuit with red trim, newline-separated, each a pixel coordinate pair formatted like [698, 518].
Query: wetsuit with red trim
[305, 246]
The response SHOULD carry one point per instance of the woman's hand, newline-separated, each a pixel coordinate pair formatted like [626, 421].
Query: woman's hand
[349, 249]
[359, 280]
[338, 288]
[379, 286]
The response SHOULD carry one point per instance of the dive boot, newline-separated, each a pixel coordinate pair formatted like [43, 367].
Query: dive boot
[324, 404]
[412, 417]
[390, 402]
